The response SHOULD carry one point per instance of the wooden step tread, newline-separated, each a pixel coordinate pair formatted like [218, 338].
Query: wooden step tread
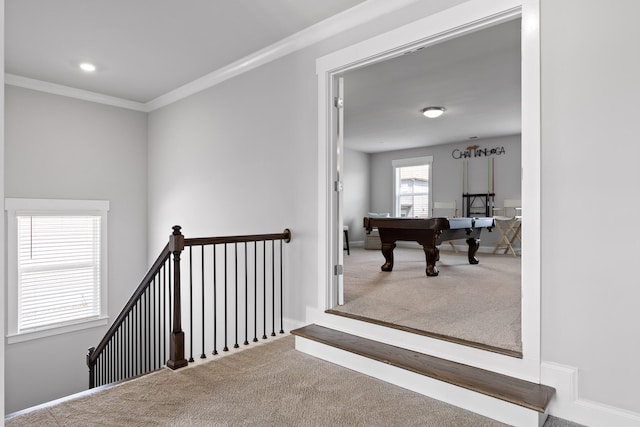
[514, 390]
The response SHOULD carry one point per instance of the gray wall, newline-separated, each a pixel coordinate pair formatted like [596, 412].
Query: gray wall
[58, 147]
[242, 157]
[356, 177]
[267, 120]
[264, 123]
[447, 175]
[590, 291]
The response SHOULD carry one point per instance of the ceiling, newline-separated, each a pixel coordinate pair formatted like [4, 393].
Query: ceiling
[144, 49]
[476, 78]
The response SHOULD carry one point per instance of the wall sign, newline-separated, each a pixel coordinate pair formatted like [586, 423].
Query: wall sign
[476, 151]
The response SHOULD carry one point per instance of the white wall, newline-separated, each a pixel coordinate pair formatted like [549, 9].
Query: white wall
[590, 175]
[356, 177]
[447, 174]
[58, 147]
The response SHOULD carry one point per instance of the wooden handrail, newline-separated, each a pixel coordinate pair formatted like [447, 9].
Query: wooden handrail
[197, 241]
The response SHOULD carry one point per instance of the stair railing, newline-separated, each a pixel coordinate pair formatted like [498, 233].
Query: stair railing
[148, 334]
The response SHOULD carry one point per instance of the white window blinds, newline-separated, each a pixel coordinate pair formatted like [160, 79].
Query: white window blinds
[412, 182]
[58, 259]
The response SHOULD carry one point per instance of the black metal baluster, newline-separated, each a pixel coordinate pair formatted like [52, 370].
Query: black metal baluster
[246, 296]
[170, 292]
[255, 291]
[202, 355]
[162, 279]
[154, 324]
[134, 350]
[127, 339]
[215, 304]
[102, 368]
[236, 298]
[264, 289]
[225, 299]
[273, 288]
[148, 327]
[116, 364]
[121, 353]
[191, 301]
[113, 359]
[141, 339]
[281, 290]
[139, 351]
[110, 364]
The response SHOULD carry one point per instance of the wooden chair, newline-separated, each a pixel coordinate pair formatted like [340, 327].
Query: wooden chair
[450, 210]
[509, 224]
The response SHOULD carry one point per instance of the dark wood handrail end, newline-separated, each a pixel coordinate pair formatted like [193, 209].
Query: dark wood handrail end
[288, 234]
[89, 354]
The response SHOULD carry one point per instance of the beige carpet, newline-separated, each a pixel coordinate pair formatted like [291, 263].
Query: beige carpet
[268, 385]
[478, 303]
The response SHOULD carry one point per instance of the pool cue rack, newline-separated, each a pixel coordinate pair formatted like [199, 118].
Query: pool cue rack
[478, 204]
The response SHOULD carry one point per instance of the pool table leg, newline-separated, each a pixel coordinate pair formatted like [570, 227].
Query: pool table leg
[387, 251]
[432, 253]
[474, 244]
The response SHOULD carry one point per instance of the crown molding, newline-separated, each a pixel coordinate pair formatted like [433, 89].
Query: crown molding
[350, 18]
[85, 95]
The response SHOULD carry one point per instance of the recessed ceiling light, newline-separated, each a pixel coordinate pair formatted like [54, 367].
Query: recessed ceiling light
[88, 67]
[433, 112]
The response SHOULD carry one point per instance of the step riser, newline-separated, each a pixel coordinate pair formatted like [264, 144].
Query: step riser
[476, 402]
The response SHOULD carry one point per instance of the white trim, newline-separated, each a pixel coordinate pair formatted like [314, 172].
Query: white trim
[462, 19]
[85, 95]
[3, 272]
[350, 18]
[567, 403]
[21, 205]
[412, 161]
[16, 207]
[78, 325]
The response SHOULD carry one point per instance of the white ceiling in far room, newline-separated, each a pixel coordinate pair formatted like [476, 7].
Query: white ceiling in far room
[476, 78]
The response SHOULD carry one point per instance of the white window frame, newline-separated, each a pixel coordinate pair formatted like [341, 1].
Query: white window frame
[18, 207]
[401, 163]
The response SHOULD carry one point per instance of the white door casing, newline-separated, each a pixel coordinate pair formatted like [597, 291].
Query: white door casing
[462, 19]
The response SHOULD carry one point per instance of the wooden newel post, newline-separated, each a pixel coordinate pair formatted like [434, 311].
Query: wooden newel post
[176, 341]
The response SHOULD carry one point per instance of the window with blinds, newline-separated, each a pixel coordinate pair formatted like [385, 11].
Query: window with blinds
[411, 184]
[57, 261]
[58, 269]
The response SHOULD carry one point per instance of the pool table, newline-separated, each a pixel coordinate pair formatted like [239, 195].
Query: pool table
[430, 233]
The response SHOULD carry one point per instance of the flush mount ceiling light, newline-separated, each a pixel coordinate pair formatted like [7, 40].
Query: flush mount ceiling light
[88, 67]
[433, 112]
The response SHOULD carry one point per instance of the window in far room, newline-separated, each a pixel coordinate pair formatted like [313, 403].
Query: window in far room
[57, 266]
[412, 182]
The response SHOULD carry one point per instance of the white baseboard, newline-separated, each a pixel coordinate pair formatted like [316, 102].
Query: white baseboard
[567, 403]
[291, 324]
